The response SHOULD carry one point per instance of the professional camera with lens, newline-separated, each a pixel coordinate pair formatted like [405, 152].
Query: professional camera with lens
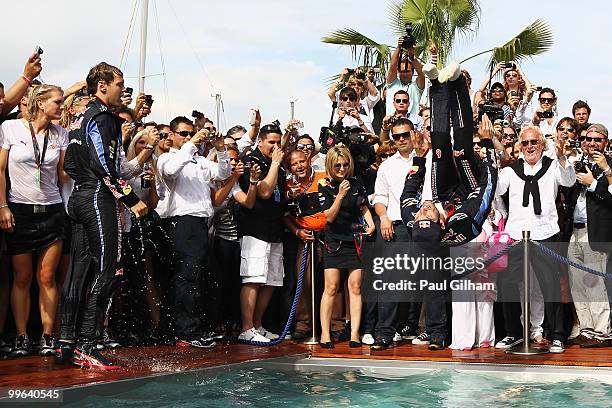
[547, 114]
[197, 115]
[493, 112]
[340, 134]
[409, 40]
[581, 165]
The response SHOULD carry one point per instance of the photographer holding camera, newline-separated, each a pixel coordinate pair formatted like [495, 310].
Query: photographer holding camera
[401, 101]
[362, 83]
[588, 229]
[348, 111]
[187, 177]
[545, 116]
[400, 74]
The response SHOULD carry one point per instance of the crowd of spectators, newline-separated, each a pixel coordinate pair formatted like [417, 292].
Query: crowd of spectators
[143, 233]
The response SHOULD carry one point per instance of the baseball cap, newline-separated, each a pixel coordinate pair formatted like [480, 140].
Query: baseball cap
[426, 231]
[598, 128]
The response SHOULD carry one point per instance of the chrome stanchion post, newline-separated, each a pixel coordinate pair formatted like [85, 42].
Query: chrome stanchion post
[314, 339]
[524, 349]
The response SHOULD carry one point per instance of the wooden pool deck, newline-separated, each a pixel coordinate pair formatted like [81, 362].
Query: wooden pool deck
[142, 362]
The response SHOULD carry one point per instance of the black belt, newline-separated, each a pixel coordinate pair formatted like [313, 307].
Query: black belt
[36, 208]
[579, 225]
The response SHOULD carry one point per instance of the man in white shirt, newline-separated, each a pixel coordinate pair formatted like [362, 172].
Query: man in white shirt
[402, 78]
[401, 101]
[187, 177]
[532, 183]
[388, 189]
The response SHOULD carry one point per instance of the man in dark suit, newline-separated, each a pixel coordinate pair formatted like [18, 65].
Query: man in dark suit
[588, 229]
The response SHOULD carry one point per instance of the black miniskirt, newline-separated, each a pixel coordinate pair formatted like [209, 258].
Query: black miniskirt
[36, 227]
[340, 255]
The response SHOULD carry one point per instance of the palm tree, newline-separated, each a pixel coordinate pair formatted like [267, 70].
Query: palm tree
[439, 21]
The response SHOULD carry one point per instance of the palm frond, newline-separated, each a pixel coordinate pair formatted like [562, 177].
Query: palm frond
[394, 17]
[364, 50]
[535, 39]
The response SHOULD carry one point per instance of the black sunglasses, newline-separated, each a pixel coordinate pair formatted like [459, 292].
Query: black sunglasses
[348, 98]
[477, 144]
[401, 101]
[594, 139]
[163, 135]
[569, 129]
[186, 133]
[398, 136]
[302, 146]
[384, 155]
[509, 135]
[533, 142]
[547, 100]
[341, 166]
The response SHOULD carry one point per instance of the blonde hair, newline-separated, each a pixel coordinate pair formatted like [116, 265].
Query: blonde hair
[131, 152]
[39, 93]
[332, 157]
[71, 102]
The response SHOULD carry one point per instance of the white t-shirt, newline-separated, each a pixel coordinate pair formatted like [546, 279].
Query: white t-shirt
[25, 188]
[414, 93]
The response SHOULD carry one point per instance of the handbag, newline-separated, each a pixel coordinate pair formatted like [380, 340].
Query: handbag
[493, 245]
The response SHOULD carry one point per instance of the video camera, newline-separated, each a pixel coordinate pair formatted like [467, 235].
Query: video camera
[329, 137]
[493, 112]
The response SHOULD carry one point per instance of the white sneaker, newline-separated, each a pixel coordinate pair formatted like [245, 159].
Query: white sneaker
[253, 335]
[397, 337]
[267, 334]
[421, 339]
[507, 342]
[450, 72]
[430, 71]
[556, 347]
[367, 339]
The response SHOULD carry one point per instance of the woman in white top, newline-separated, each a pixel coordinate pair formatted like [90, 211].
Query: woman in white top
[33, 215]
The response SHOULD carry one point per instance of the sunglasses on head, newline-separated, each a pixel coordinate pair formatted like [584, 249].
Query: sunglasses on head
[186, 133]
[348, 98]
[398, 136]
[569, 129]
[533, 142]
[547, 100]
[302, 146]
[401, 100]
[341, 166]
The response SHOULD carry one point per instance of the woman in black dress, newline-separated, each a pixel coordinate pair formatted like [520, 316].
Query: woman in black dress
[344, 201]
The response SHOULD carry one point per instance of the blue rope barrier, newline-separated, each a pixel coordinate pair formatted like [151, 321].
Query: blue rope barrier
[488, 262]
[296, 299]
[553, 254]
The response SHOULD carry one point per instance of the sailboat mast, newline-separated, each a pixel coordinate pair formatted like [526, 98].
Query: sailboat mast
[143, 43]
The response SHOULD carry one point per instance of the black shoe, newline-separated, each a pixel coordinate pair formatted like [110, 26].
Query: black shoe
[408, 333]
[64, 352]
[381, 344]
[46, 346]
[436, 344]
[354, 344]
[21, 347]
[88, 355]
[327, 345]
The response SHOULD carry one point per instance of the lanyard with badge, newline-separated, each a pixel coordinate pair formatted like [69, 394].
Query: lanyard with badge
[38, 158]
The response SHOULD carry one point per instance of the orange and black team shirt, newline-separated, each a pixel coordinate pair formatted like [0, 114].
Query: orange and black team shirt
[311, 216]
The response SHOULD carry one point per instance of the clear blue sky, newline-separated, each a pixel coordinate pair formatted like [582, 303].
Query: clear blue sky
[264, 54]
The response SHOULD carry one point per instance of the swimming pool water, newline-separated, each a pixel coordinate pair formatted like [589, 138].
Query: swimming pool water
[264, 387]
